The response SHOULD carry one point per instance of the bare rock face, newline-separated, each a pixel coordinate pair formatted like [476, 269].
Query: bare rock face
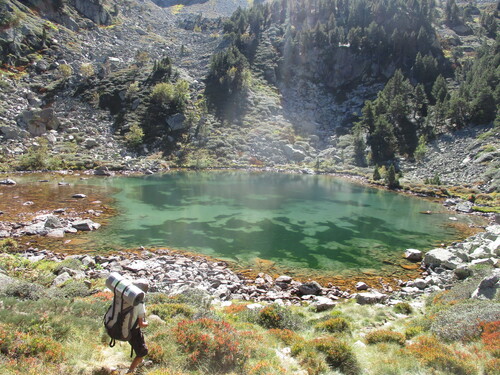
[94, 10]
[38, 122]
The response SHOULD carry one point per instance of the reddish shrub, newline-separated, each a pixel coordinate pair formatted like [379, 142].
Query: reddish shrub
[439, 356]
[491, 337]
[286, 335]
[265, 368]
[492, 367]
[211, 344]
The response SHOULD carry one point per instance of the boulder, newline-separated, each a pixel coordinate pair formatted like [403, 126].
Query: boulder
[322, 304]
[13, 132]
[441, 258]
[61, 279]
[56, 233]
[38, 122]
[90, 143]
[136, 266]
[413, 254]
[309, 288]
[102, 171]
[177, 122]
[53, 222]
[488, 287]
[370, 298]
[7, 181]
[462, 272]
[85, 225]
[361, 286]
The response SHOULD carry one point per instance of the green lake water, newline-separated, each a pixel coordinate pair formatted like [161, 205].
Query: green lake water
[298, 221]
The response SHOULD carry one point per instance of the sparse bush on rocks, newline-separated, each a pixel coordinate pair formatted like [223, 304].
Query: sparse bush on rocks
[463, 321]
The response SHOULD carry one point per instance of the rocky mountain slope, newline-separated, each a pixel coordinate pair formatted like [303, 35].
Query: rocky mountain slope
[82, 74]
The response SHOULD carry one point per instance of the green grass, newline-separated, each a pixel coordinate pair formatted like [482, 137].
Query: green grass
[59, 330]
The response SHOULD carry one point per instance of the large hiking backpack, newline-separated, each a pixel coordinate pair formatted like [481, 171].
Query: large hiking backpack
[118, 320]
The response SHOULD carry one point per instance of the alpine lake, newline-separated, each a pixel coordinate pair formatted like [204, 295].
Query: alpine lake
[308, 226]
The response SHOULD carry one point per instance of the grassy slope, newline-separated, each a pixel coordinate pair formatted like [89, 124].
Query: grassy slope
[49, 331]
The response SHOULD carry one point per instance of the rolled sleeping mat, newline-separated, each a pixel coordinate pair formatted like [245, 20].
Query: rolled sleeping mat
[129, 292]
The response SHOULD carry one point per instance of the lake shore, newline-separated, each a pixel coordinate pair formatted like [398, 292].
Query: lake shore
[80, 217]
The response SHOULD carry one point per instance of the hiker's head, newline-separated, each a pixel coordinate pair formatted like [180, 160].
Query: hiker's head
[142, 284]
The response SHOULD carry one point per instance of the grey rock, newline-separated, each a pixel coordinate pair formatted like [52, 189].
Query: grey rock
[309, 288]
[7, 181]
[93, 10]
[79, 196]
[136, 266]
[56, 233]
[39, 122]
[53, 222]
[465, 207]
[61, 279]
[90, 143]
[321, 303]
[488, 287]
[177, 122]
[85, 225]
[462, 272]
[361, 286]
[284, 279]
[370, 298]
[441, 257]
[413, 254]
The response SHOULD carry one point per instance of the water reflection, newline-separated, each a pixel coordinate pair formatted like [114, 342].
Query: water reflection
[304, 221]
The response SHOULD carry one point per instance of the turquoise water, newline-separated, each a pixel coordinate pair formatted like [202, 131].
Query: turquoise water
[298, 221]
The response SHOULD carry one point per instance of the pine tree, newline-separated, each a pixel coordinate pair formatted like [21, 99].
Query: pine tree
[440, 90]
[391, 178]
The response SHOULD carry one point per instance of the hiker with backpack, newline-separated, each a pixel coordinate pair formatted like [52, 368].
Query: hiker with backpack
[127, 315]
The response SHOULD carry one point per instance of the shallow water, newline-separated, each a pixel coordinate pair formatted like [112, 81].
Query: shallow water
[300, 222]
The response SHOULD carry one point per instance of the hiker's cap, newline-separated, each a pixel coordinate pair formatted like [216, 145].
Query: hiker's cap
[142, 284]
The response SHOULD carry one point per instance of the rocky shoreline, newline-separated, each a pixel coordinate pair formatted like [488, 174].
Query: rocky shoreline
[174, 273]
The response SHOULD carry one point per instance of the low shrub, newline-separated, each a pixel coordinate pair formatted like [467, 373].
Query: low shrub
[385, 335]
[441, 357]
[338, 355]
[167, 311]
[164, 371]
[210, 344]
[15, 344]
[24, 290]
[491, 337]
[276, 316]
[403, 308]
[71, 263]
[72, 289]
[8, 246]
[334, 325]
[413, 331]
[265, 368]
[462, 321]
[288, 337]
[492, 367]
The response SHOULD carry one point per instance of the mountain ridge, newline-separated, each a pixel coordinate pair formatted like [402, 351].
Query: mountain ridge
[302, 123]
